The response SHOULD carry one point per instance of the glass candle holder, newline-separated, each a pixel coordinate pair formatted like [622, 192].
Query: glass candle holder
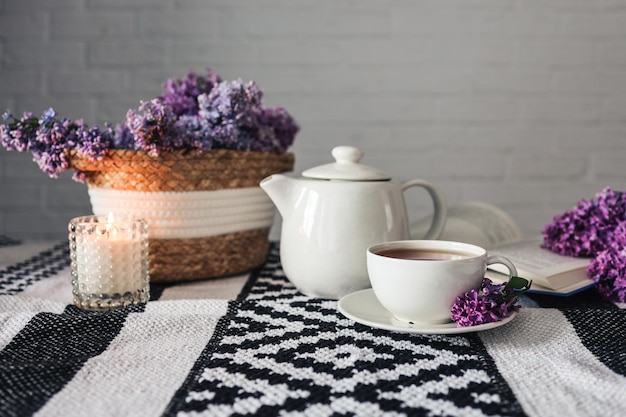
[109, 261]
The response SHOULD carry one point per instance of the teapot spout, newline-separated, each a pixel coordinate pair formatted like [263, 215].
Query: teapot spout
[279, 188]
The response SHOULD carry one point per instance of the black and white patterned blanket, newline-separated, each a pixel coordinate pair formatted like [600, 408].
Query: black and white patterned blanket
[272, 351]
[7, 241]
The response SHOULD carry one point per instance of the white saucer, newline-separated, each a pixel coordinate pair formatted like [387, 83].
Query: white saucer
[363, 307]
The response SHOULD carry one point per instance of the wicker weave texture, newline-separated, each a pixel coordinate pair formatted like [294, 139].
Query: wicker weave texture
[174, 260]
[181, 170]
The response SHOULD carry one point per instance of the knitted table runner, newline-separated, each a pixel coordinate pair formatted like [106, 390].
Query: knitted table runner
[276, 352]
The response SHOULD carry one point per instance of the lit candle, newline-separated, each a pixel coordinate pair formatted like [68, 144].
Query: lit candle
[109, 262]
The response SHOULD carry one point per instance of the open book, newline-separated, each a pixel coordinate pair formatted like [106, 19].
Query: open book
[550, 273]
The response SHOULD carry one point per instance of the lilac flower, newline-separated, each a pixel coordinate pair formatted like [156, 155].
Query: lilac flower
[48, 116]
[608, 268]
[152, 127]
[49, 139]
[492, 303]
[239, 120]
[199, 112]
[181, 94]
[123, 138]
[195, 132]
[18, 135]
[284, 128]
[49, 144]
[232, 101]
[586, 229]
[93, 142]
[229, 116]
[595, 228]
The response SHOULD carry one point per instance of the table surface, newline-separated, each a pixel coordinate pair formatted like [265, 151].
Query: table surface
[253, 345]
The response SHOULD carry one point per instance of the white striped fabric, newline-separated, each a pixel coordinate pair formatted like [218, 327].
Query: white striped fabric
[150, 358]
[542, 345]
[15, 313]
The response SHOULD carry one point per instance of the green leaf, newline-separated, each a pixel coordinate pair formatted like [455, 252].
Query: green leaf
[518, 284]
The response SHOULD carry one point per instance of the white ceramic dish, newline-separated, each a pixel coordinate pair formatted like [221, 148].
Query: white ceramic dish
[363, 307]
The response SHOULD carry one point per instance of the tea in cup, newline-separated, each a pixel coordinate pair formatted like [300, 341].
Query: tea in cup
[418, 280]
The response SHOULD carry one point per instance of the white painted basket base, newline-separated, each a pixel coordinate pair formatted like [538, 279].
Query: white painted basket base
[189, 214]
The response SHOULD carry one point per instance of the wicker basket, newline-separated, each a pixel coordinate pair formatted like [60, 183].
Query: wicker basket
[152, 187]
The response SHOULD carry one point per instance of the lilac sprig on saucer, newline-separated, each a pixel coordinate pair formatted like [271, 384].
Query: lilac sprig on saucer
[491, 303]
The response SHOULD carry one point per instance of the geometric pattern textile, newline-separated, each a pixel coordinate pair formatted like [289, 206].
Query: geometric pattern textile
[271, 351]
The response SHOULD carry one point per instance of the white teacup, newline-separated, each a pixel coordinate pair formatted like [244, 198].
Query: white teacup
[418, 280]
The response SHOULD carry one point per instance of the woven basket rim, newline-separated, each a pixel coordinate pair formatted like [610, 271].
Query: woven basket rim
[180, 170]
[119, 159]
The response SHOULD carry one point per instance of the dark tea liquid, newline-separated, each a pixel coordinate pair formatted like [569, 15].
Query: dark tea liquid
[424, 254]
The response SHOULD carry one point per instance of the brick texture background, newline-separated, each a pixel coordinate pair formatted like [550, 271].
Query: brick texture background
[520, 103]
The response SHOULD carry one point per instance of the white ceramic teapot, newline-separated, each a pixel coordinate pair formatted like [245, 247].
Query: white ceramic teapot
[333, 214]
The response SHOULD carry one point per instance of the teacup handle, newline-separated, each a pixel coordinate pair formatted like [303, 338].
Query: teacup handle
[439, 204]
[495, 259]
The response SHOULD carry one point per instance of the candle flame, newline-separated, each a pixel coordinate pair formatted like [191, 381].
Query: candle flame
[111, 228]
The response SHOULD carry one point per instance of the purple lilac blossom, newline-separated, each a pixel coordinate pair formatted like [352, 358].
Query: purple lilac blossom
[195, 132]
[49, 139]
[284, 126]
[93, 142]
[230, 116]
[123, 138]
[240, 121]
[153, 127]
[48, 148]
[608, 268]
[232, 103]
[586, 229]
[198, 112]
[17, 135]
[181, 94]
[492, 303]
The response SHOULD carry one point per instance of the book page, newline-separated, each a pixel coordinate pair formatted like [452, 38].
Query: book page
[528, 256]
[565, 291]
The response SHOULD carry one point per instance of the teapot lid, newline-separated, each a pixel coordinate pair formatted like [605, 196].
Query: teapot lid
[346, 167]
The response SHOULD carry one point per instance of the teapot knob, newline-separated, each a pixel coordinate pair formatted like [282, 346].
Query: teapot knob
[347, 154]
[346, 167]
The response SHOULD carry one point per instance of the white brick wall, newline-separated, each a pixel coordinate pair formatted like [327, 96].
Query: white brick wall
[521, 103]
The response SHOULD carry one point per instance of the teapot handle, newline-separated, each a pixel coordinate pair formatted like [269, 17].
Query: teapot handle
[439, 202]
